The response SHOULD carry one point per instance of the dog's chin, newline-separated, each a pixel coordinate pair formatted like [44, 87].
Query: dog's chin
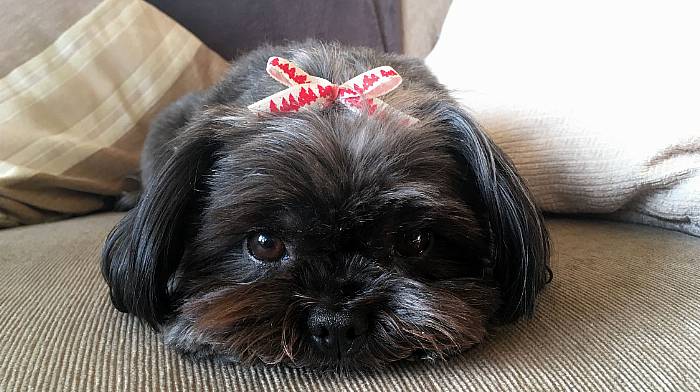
[263, 321]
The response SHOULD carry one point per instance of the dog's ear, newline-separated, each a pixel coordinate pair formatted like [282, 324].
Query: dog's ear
[144, 249]
[519, 238]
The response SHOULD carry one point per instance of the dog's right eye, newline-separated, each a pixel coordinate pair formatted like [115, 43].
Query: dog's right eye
[266, 247]
[413, 244]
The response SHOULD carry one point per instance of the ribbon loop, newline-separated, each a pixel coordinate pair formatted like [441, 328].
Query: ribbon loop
[287, 73]
[306, 91]
[371, 84]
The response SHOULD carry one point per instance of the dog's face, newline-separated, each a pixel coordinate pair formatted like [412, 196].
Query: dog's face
[329, 239]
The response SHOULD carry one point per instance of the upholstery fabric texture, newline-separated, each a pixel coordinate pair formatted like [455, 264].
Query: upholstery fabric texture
[234, 27]
[422, 25]
[79, 83]
[622, 313]
[596, 109]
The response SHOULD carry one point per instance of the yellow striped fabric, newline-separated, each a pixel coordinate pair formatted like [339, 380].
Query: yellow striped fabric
[74, 116]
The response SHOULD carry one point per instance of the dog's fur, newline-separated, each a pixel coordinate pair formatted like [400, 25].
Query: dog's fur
[339, 188]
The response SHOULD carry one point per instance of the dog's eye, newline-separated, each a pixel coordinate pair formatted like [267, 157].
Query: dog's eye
[266, 247]
[413, 244]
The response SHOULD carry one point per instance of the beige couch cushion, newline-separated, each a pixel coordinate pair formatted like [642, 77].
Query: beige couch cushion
[621, 313]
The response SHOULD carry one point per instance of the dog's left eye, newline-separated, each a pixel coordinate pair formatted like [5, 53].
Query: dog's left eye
[266, 247]
[413, 244]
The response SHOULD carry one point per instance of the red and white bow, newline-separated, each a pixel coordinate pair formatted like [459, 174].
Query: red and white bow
[306, 91]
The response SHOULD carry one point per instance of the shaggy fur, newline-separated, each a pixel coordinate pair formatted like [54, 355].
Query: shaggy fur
[340, 189]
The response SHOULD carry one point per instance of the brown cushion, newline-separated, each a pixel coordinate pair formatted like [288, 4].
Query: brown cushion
[621, 313]
[79, 82]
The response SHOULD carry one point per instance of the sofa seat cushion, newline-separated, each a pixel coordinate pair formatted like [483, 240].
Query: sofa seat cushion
[622, 312]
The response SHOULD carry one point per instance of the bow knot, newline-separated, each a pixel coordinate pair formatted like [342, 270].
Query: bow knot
[306, 91]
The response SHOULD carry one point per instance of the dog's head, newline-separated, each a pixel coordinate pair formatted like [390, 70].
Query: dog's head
[329, 238]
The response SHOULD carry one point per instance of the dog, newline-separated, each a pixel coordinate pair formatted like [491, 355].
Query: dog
[328, 236]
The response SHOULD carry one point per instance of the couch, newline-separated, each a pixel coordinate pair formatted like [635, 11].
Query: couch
[622, 313]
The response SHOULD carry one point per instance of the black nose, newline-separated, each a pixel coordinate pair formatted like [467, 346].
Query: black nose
[336, 332]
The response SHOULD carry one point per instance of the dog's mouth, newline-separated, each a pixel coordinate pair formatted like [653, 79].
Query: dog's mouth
[409, 321]
[241, 344]
[360, 360]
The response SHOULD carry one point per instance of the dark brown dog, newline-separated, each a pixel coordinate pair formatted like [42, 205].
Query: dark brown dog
[325, 238]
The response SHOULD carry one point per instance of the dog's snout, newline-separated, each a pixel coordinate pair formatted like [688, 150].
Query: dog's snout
[337, 332]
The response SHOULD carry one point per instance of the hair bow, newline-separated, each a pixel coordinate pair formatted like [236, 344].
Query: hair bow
[306, 91]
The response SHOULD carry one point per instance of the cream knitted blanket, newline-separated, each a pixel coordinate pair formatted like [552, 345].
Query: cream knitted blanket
[599, 112]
